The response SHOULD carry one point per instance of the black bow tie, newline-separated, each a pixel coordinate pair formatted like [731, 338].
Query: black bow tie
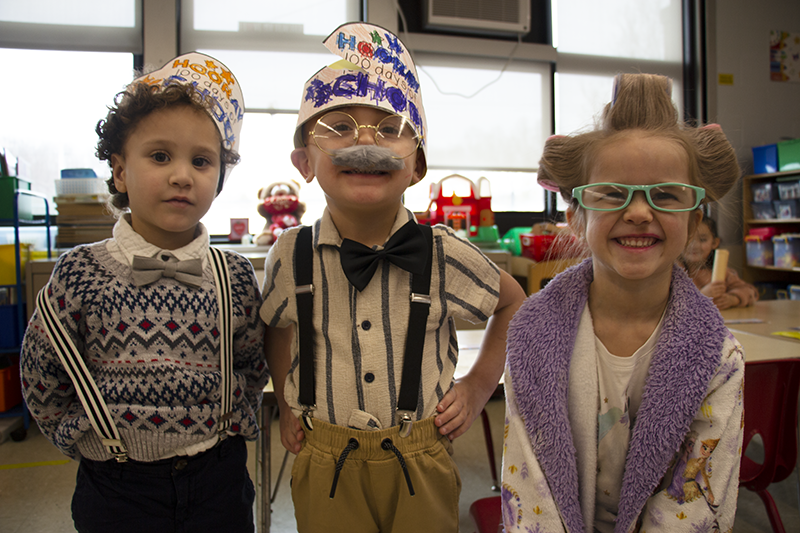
[407, 249]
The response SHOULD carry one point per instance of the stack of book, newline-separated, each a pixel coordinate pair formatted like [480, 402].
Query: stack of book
[83, 215]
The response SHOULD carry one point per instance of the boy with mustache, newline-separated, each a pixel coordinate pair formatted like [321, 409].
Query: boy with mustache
[360, 308]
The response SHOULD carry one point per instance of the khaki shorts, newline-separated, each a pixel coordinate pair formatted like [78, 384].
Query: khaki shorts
[372, 492]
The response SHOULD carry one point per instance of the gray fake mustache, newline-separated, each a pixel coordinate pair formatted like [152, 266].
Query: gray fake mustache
[367, 157]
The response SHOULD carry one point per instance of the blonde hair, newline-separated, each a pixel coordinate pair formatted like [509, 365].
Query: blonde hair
[641, 105]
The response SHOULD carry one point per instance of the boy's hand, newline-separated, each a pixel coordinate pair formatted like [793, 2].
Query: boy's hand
[459, 408]
[462, 404]
[291, 431]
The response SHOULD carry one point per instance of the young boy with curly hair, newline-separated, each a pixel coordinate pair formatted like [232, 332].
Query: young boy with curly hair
[144, 358]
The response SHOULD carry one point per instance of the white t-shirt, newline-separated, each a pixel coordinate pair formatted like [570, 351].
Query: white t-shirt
[620, 385]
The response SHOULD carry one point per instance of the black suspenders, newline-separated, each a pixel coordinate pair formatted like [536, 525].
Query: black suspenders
[304, 293]
[415, 336]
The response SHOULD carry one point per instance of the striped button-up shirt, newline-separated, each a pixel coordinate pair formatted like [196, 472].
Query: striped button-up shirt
[360, 337]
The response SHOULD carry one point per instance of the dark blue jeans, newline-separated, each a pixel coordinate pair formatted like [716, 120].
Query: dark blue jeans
[211, 491]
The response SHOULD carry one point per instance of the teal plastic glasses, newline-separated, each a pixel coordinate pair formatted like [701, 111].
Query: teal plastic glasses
[669, 197]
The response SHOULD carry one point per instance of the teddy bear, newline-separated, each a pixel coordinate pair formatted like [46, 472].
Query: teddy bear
[279, 203]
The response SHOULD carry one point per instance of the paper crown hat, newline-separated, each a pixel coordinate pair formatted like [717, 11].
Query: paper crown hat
[376, 70]
[212, 80]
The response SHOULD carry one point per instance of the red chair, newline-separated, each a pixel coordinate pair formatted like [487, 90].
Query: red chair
[770, 410]
[485, 514]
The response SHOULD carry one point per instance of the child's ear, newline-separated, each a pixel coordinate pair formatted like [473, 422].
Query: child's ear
[574, 221]
[118, 172]
[420, 167]
[694, 223]
[302, 163]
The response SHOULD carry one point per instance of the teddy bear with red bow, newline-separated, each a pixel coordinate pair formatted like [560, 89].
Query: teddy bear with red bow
[279, 203]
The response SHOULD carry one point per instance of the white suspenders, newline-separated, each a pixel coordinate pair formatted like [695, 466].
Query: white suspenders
[86, 388]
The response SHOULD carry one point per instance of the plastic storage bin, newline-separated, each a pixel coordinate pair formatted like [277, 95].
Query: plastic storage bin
[765, 159]
[764, 191]
[8, 262]
[789, 190]
[794, 292]
[10, 387]
[760, 250]
[789, 155]
[546, 247]
[785, 209]
[9, 185]
[78, 173]
[765, 232]
[763, 210]
[787, 250]
[768, 290]
[10, 321]
[81, 187]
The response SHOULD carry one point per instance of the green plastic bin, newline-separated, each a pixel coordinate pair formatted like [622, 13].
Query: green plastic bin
[8, 186]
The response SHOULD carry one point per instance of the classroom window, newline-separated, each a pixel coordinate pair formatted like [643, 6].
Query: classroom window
[91, 25]
[68, 60]
[272, 47]
[597, 40]
[51, 125]
[482, 122]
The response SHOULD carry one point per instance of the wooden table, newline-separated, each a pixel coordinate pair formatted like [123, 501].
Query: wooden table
[754, 328]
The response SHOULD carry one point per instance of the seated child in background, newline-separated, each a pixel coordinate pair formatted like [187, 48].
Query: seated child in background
[623, 385]
[175, 356]
[378, 400]
[698, 258]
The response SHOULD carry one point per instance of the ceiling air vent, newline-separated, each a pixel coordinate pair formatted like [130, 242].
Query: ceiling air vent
[479, 16]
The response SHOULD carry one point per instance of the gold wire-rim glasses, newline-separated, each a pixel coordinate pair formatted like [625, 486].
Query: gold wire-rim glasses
[324, 123]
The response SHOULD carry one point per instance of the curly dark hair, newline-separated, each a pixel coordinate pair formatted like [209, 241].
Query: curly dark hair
[133, 104]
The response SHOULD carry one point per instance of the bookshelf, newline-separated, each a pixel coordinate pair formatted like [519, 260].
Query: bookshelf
[772, 274]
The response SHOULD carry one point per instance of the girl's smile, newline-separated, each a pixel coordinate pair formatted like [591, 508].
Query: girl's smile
[642, 241]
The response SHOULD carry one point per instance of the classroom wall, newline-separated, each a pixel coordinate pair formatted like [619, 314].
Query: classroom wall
[754, 110]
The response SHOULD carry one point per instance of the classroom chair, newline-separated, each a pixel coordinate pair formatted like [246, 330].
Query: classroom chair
[770, 410]
[485, 514]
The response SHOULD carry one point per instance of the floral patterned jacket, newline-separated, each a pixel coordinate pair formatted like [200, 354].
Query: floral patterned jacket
[682, 467]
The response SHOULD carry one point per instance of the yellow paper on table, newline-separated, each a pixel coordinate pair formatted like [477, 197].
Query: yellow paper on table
[791, 334]
[720, 265]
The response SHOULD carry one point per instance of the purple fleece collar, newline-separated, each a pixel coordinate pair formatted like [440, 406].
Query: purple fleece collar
[541, 337]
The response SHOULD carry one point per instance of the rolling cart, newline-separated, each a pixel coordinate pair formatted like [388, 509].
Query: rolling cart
[13, 315]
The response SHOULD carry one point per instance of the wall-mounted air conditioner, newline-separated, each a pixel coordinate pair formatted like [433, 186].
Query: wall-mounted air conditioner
[479, 16]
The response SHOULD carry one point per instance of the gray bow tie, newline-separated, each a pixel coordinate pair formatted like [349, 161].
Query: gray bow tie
[146, 270]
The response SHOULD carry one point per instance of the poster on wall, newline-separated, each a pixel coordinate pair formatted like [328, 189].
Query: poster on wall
[784, 56]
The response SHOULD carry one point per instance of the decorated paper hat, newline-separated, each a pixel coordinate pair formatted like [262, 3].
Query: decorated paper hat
[376, 70]
[212, 79]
